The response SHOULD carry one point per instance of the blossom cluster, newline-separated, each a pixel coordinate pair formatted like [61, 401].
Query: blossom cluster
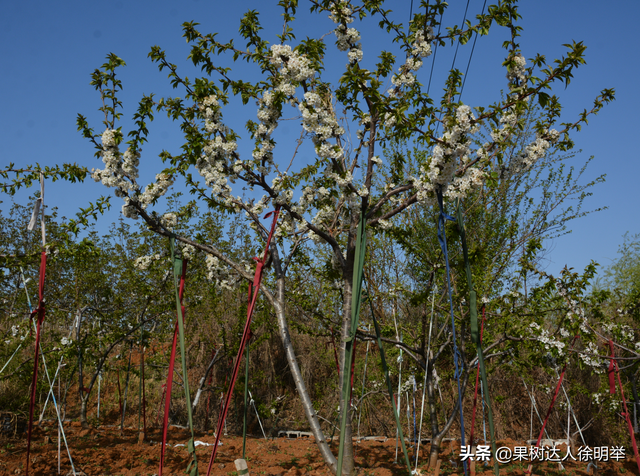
[292, 69]
[529, 156]
[218, 152]
[452, 150]
[15, 330]
[188, 251]
[218, 272]
[420, 48]
[533, 152]
[143, 262]
[285, 226]
[622, 332]
[324, 216]
[169, 221]
[508, 123]
[575, 310]
[543, 336]
[346, 38]
[121, 173]
[155, 190]
[118, 168]
[589, 357]
[518, 72]
[321, 121]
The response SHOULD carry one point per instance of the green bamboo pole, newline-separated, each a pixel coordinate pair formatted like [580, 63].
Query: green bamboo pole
[350, 340]
[475, 334]
[178, 265]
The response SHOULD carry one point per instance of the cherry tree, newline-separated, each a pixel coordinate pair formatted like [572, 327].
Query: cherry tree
[336, 174]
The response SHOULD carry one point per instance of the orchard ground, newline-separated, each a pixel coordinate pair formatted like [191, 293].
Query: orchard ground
[104, 450]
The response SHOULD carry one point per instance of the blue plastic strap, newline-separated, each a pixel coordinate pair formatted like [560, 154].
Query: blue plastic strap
[442, 238]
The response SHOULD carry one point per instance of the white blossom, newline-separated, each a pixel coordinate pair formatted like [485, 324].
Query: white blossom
[188, 251]
[218, 272]
[543, 336]
[519, 70]
[453, 150]
[384, 224]
[589, 357]
[169, 220]
[143, 262]
[346, 38]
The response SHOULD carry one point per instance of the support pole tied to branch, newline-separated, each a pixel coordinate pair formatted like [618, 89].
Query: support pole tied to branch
[254, 289]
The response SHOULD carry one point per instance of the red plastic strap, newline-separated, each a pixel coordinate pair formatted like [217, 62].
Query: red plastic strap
[626, 411]
[475, 393]
[553, 401]
[172, 361]
[40, 313]
[612, 380]
[254, 289]
[164, 391]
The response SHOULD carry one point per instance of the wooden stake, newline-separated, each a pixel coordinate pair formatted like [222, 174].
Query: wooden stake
[472, 462]
[437, 471]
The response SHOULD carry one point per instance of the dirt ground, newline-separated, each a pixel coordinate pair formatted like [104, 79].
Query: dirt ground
[104, 451]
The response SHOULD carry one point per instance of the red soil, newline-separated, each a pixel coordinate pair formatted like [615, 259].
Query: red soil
[104, 451]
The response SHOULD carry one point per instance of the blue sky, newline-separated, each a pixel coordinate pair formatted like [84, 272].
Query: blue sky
[49, 49]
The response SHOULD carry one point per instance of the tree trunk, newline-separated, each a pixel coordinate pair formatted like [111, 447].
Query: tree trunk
[433, 411]
[215, 358]
[83, 410]
[438, 436]
[436, 441]
[278, 305]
